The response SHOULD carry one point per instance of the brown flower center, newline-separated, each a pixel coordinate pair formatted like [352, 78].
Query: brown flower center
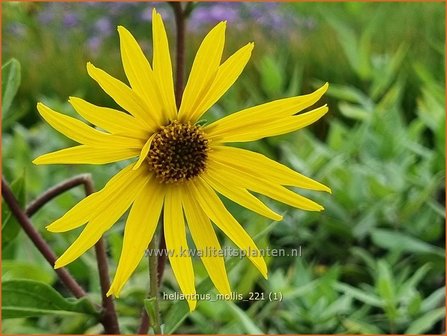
[178, 152]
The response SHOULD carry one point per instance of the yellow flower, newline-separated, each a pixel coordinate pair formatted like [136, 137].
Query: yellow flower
[181, 165]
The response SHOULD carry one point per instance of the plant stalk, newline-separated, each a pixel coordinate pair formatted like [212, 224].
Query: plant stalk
[180, 24]
[153, 289]
[38, 241]
[109, 317]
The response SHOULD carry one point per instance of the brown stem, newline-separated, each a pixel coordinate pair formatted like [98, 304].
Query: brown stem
[180, 24]
[58, 189]
[144, 324]
[38, 241]
[161, 258]
[109, 318]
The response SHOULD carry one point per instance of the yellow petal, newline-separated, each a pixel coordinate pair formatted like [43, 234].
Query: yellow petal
[240, 196]
[139, 73]
[227, 74]
[138, 232]
[113, 121]
[99, 201]
[83, 154]
[203, 71]
[239, 177]
[256, 163]
[162, 66]
[144, 152]
[282, 126]
[80, 132]
[123, 96]
[107, 213]
[205, 239]
[216, 211]
[260, 115]
[175, 236]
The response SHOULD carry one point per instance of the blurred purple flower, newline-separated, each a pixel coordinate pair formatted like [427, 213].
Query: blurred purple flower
[214, 13]
[146, 13]
[270, 16]
[70, 20]
[45, 16]
[103, 26]
[94, 44]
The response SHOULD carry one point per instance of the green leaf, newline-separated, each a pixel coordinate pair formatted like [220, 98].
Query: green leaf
[26, 298]
[426, 322]
[10, 83]
[434, 300]
[10, 226]
[246, 322]
[17, 269]
[348, 40]
[409, 285]
[368, 298]
[385, 76]
[272, 79]
[353, 111]
[386, 290]
[394, 240]
[149, 306]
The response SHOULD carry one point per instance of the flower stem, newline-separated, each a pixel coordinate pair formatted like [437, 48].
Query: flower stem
[180, 24]
[38, 241]
[109, 318]
[156, 269]
[58, 189]
[153, 289]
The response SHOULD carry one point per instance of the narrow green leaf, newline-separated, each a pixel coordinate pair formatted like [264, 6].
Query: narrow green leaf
[426, 321]
[10, 83]
[246, 322]
[26, 298]
[411, 283]
[17, 269]
[386, 290]
[434, 300]
[368, 298]
[394, 240]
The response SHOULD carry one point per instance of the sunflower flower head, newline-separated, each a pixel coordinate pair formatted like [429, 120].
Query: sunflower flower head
[180, 166]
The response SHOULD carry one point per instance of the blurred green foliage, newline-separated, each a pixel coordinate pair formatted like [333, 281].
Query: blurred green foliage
[372, 262]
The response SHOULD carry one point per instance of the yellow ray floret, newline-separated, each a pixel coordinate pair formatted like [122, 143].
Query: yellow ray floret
[175, 236]
[146, 209]
[203, 71]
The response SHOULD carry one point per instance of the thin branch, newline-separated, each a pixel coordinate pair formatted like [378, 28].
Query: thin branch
[38, 241]
[109, 317]
[180, 24]
[144, 323]
[55, 191]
